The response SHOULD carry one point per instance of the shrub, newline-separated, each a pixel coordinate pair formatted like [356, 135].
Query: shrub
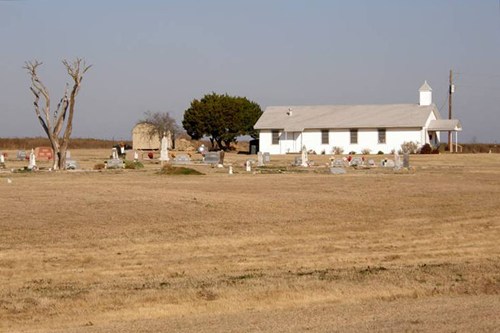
[337, 150]
[352, 153]
[171, 170]
[366, 151]
[99, 166]
[409, 147]
[426, 149]
[380, 152]
[133, 165]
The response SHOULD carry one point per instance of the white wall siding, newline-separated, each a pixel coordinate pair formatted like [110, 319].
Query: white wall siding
[292, 142]
[265, 143]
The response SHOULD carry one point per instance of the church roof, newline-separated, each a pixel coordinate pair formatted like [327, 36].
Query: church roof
[425, 87]
[445, 125]
[345, 116]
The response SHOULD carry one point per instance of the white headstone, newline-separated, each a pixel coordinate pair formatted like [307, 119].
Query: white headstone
[164, 149]
[114, 154]
[248, 166]
[2, 159]
[304, 160]
[230, 169]
[260, 159]
[397, 160]
[136, 156]
[32, 160]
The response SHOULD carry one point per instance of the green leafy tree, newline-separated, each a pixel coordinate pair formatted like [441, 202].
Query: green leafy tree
[222, 118]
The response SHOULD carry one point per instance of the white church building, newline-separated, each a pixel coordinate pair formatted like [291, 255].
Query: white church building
[285, 129]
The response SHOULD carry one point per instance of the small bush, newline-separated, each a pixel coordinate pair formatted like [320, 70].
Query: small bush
[99, 166]
[337, 150]
[426, 149]
[171, 170]
[380, 152]
[133, 165]
[352, 153]
[366, 151]
[409, 147]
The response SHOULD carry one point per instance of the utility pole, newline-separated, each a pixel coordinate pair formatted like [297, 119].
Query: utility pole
[451, 90]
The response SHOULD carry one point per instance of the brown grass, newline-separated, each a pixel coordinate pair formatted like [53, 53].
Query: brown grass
[134, 251]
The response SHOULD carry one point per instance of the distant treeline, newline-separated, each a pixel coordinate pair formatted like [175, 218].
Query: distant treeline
[75, 143]
[475, 148]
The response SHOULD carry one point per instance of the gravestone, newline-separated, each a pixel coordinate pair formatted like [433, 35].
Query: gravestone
[114, 154]
[390, 164]
[164, 150]
[212, 157]
[260, 159]
[267, 158]
[230, 169]
[44, 153]
[115, 162]
[371, 163]
[2, 161]
[248, 166]
[406, 160]
[356, 161]
[397, 160]
[338, 163]
[21, 155]
[337, 171]
[32, 164]
[304, 161]
[71, 165]
[182, 159]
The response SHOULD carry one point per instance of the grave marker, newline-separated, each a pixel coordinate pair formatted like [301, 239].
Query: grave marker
[182, 159]
[337, 171]
[44, 153]
[267, 158]
[164, 150]
[212, 157]
[21, 155]
[32, 164]
[406, 160]
[304, 158]
[115, 162]
[260, 159]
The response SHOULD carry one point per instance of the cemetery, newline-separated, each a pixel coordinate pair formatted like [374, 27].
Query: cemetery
[246, 230]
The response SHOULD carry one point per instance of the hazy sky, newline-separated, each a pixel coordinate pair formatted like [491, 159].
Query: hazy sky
[160, 55]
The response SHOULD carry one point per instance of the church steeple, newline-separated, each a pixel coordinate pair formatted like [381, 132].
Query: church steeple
[425, 94]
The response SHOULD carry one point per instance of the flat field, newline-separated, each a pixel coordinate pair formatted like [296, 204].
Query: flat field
[277, 250]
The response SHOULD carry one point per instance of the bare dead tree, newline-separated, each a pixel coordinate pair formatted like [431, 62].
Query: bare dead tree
[162, 123]
[53, 122]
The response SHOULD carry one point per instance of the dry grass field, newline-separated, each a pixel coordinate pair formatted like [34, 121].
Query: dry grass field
[273, 251]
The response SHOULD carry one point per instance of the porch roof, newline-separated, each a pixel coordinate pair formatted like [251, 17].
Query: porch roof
[452, 125]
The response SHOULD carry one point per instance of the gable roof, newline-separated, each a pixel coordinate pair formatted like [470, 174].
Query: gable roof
[425, 87]
[345, 116]
[445, 125]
